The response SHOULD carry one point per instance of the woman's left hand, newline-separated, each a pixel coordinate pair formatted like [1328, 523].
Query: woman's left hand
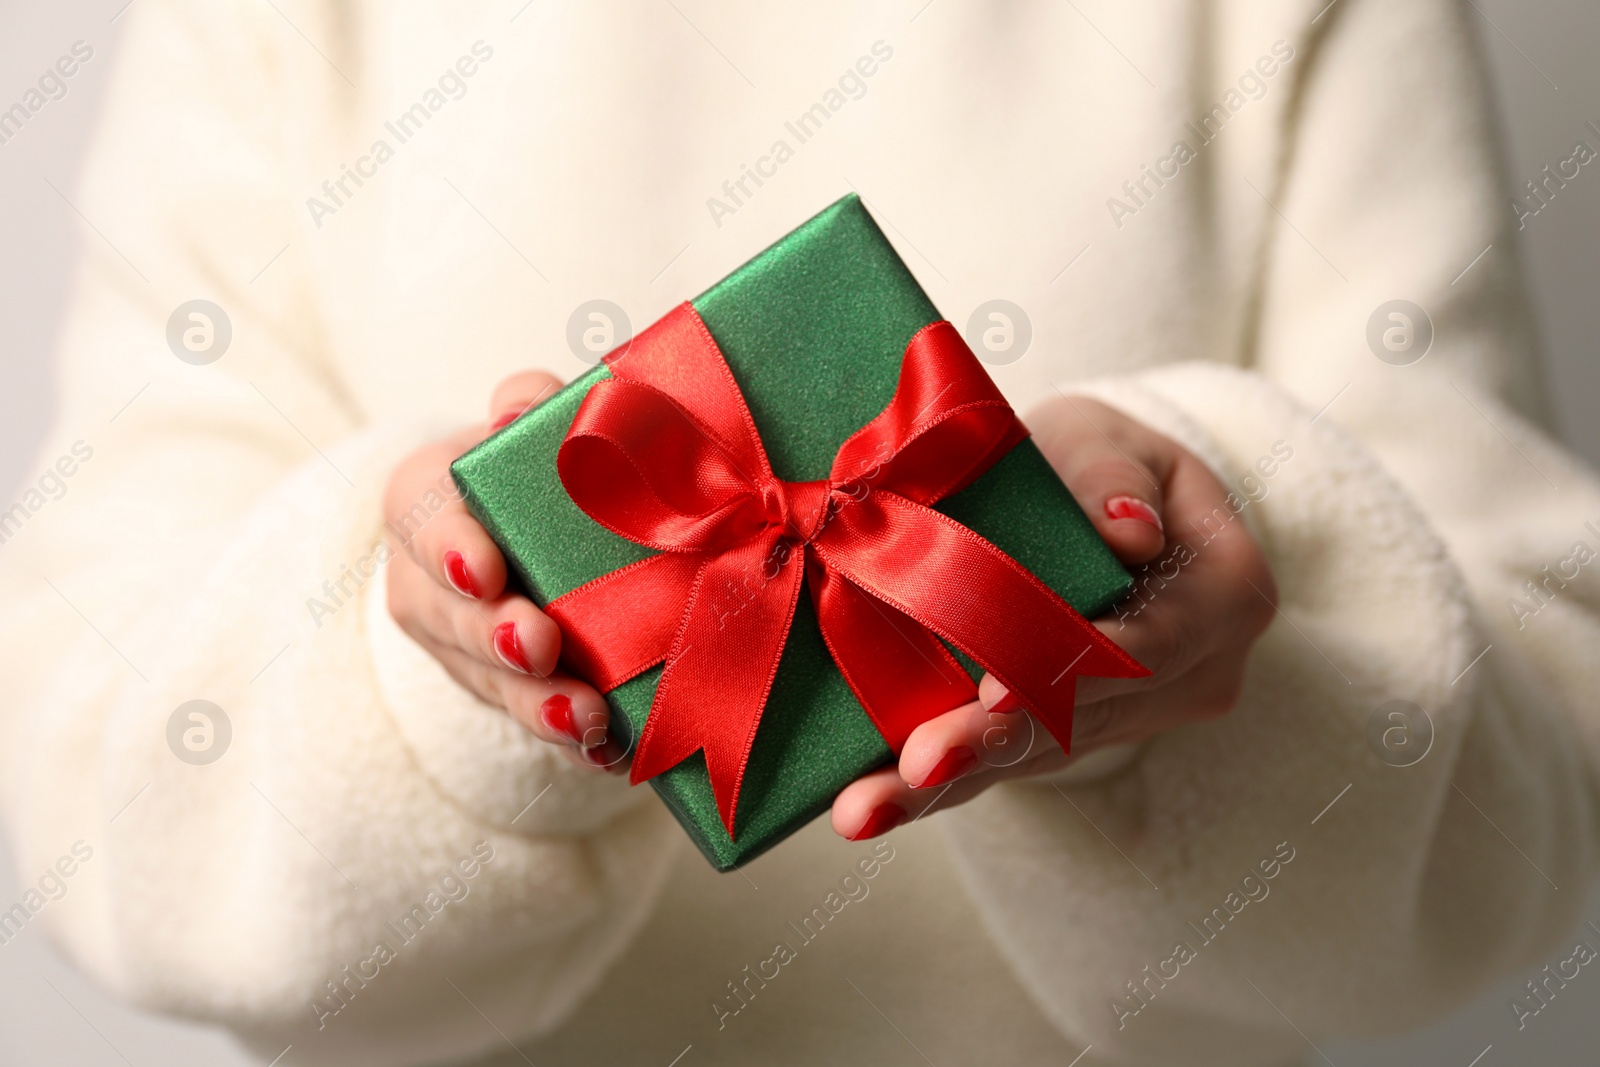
[1154, 504]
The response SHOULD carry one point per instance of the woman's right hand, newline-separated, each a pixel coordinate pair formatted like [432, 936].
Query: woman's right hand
[447, 589]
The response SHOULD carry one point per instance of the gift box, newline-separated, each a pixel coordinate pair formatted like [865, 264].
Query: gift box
[678, 519]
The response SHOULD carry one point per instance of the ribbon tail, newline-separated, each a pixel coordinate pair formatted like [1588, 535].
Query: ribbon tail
[721, 665]
[1094, 660]
[902, 675]
[621, 624]
[964, 589]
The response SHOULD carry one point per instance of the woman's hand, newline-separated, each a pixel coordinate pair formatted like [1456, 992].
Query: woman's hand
[1205, 597]
[447, 589]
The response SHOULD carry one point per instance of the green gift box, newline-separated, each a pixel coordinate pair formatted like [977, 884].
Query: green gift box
[813, 330]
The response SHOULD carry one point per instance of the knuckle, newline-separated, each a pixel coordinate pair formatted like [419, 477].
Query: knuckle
[1118, 472]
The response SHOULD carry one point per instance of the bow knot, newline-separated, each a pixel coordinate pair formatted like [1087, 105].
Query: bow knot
[665, 453]
[796, 509]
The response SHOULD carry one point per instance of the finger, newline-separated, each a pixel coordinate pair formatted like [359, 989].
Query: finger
[508, 633]
[1209, 691]
[971, 739]
[876, 803]
[428, 519]
[609, 758]
[1128, 517]
[521, 645]
[566, 711]
[559, 709]
[1212, 592]
[519, 393]
[1114, 720]
[1115, 469]
[1093, 724]
[947, 761]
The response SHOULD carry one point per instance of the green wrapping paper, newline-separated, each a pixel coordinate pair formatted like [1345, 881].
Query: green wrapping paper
[813, 330]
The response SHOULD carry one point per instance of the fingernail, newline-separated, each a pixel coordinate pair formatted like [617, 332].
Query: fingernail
[606, 756]
[505, 420]
[1131, 507]
[455, 569]
[1008, 702]
[956, 762]
[884, 817]
[557, 715]
[509, 648]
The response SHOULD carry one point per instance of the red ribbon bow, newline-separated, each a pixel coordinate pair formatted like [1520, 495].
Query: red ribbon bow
[665, 453]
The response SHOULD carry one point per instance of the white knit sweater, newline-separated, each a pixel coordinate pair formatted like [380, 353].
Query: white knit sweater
[1231, 883]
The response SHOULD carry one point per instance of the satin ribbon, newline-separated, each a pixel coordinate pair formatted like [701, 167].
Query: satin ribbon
[665, 454]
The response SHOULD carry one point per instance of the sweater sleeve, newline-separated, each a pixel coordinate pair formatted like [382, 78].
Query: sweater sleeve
[304, 854]
[1325, 860]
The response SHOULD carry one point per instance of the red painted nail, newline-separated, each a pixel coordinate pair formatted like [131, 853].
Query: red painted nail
[455, 569]
[956, 762]
[607, 756]
[509, 647]
[556, 714]
[505, 420]
[1131, 507]
[1008, 702]
[884, 817]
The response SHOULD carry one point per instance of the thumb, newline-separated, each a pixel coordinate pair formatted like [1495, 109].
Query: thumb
[1114, 469]
[518, 394]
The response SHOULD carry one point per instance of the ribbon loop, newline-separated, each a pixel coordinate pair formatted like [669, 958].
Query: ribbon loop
[625, 460]
[946, 425]
[665, 453]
